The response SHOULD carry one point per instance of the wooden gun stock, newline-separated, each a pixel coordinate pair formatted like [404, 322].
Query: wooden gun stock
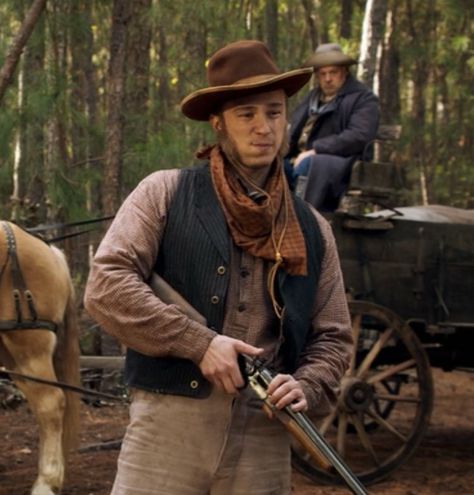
[300, 436]
[169, 296]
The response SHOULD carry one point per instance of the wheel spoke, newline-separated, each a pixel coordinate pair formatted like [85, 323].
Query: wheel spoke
[378, 346]
[364, 439]
[392, 370]
[341, 434]
[328, 420]
[385, 424]
[356, 320]
[397, 398]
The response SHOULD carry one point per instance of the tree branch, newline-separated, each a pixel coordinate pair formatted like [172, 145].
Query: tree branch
[14, 52]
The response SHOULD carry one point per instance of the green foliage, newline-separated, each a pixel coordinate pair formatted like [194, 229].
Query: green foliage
[435, 40]
[164, 150]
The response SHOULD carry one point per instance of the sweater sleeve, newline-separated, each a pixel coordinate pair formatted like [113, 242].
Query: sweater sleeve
[329, 348]
[117, 295]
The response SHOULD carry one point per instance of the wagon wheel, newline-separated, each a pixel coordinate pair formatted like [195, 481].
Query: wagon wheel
[385, 401]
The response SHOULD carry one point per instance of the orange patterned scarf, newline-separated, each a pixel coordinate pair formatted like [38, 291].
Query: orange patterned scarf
[267, 229]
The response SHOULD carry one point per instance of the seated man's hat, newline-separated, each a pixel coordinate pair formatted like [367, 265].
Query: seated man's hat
[328, 54]
[240, 69]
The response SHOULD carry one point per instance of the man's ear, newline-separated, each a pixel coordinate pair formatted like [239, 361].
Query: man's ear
[215, 122]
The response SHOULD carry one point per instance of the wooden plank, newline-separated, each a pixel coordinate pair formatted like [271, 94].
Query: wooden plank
[102, 362]
[387, 132]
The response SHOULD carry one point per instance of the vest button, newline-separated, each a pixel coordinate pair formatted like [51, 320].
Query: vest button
[221, 270]
[214, 299]
[194, 384]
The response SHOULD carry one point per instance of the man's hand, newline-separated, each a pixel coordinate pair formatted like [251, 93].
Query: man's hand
[284, 391]
[302, 156]
[220, 366]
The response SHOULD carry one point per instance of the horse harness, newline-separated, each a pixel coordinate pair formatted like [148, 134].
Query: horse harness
[20, 323]
[20, 291]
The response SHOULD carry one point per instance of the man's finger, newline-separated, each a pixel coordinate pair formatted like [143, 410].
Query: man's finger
[244, 348]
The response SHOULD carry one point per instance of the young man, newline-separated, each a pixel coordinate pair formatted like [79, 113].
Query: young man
[331, 127]
[260, 265]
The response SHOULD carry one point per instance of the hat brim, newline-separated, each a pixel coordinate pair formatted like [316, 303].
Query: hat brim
[318, 60]
[202, 103]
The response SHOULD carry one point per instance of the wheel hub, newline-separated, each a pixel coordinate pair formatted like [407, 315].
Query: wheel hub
[357, 395]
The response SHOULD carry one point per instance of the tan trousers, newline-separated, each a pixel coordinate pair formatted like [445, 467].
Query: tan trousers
[216, 446]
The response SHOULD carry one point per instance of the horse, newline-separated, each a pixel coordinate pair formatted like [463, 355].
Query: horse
[39, 337]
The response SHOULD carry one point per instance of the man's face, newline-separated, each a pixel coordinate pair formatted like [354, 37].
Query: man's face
[255, 126]
[331, 79]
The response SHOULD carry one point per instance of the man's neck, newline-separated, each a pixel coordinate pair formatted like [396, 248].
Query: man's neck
[326, 98]
[251, 175]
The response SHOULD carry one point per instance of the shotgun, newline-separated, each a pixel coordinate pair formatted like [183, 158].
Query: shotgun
[258, 377]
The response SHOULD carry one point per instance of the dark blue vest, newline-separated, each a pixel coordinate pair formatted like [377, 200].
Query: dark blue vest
[194, 257]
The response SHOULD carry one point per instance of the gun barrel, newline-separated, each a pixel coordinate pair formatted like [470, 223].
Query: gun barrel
[328, 452]
[307, 434]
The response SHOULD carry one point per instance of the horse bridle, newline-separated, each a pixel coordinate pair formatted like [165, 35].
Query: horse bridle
[20, 290]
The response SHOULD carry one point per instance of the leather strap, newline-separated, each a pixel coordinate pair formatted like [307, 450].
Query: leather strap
[20, 290]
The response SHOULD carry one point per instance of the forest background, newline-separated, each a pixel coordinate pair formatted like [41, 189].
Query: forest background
[90, 95]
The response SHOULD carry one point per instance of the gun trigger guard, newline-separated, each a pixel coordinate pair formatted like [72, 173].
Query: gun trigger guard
[243, 370]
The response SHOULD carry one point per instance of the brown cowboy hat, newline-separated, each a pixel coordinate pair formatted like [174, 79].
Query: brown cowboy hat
[239, 69]
[328, 54]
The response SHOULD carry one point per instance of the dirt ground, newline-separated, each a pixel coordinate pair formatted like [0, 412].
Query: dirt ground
[443, 464]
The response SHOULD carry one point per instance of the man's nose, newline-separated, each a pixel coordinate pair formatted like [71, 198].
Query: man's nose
[262, 124]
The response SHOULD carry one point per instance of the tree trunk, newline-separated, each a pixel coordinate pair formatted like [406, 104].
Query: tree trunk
[164, 93]
[14, 52]
[418, 103]
[33, 161]
[138, 70]
[85, 147]
[83, 92]
[18, 179]
[57, 160]
[115, 104]
[372, 34]
[389, 91]
[271, 26]
[311, 23]
[345, 30]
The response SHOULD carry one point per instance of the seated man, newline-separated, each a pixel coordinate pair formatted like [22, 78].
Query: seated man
[330, 128]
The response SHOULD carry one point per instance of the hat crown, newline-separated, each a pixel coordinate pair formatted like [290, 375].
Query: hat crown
[328, 47]
[328, 54]
[238, 61]
[241, 68]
